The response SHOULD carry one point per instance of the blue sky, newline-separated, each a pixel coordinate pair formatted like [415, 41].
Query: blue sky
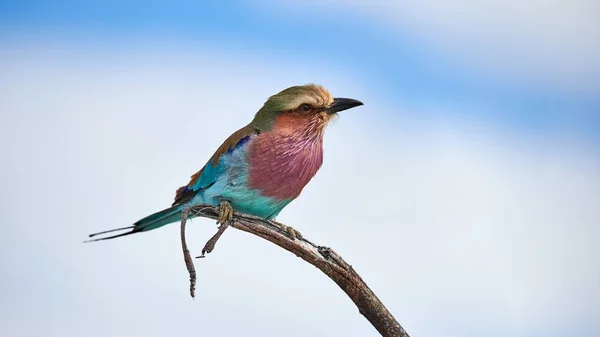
[478, 139]
[399, 65]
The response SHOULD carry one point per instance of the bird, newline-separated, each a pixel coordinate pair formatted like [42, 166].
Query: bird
[263, 166]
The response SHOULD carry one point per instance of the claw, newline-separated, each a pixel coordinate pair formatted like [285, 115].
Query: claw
[224, 219]
[293, 233]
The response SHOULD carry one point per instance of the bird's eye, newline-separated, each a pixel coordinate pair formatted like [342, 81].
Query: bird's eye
[305, 107]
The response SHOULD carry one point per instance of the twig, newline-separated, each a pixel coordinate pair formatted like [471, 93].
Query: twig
[189, 263]
[324, 258]
[210, 244]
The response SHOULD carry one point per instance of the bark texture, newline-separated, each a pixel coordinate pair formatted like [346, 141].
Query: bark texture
[324, 258]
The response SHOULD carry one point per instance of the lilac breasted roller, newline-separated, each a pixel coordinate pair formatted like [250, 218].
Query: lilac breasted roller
[263, 166]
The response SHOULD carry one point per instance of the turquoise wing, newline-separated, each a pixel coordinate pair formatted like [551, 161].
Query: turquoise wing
[211, 172]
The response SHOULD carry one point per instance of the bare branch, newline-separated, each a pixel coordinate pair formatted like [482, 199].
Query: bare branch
[324, 258]
[210, 244]
[189, 263]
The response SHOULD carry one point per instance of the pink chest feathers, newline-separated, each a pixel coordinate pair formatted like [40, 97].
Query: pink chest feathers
[281, 162]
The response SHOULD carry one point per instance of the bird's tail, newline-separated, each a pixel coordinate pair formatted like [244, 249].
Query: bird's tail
[153, 221]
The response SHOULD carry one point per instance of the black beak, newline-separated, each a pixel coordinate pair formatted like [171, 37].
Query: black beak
[341, 104]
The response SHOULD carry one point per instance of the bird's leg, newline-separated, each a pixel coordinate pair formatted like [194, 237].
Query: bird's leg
[225, 212]
[288, 229]
[225, 217]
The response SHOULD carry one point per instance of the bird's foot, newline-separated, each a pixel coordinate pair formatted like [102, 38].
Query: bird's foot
[225, 212]
[295, 234]
[225, 217]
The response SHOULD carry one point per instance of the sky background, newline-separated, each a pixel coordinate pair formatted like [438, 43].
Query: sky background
[465, 191]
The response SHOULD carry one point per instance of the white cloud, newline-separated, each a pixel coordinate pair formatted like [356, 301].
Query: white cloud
[460, 229]
[551, 43]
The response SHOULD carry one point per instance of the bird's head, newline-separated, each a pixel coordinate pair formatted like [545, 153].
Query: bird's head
[305, 102]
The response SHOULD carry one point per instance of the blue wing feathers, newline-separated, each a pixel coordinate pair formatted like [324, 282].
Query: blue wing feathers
[211, 172]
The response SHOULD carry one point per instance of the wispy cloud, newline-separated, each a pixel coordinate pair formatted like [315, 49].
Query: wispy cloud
[484, 60]
[547, 43]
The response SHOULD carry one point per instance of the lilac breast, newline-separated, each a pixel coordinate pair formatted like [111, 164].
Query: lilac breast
[280, 165]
